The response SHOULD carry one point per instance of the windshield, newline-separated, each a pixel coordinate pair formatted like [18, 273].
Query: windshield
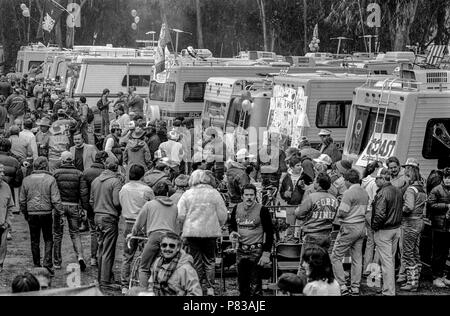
[194, 91]
[214, 114]
[364, 126]
[162, 91]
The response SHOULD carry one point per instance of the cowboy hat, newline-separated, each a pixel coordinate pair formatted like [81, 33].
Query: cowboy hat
[138, 134]
[325, 132]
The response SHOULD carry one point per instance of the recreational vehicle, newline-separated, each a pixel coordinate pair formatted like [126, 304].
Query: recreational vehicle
[403, 117]
[31, 57]
[180, 90]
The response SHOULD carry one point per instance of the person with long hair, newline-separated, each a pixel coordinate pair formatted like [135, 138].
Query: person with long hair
[414, 202]
[318, 269]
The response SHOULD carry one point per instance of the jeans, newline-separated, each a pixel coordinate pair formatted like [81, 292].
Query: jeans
[412, 230]
[105, 122]
[370, 254]
[203, 250]
[441, 246]
[386, 242]
[108, 232]
[3, 245]
[37, 224]
[249, 272]
[350, 237]
[321, 239]
[128, 255]
[73, 219]
[94, 234]
[150, 253]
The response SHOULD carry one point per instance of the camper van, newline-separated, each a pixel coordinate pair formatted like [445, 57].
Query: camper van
[403, 117]
[93, 74]
[328, 100]
[29, 57]
[180, 90]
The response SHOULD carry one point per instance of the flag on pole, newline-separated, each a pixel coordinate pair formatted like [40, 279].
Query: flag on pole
[160, 58]
[52, 12]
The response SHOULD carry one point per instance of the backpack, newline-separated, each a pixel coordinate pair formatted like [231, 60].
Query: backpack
[90, 115]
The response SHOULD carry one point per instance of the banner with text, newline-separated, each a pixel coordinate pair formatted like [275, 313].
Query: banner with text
[379, 148]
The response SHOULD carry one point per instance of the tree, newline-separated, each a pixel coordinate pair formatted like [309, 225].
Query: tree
[262, 12]
[199, 24]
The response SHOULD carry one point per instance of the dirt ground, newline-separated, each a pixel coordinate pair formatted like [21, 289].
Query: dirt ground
[19, 260]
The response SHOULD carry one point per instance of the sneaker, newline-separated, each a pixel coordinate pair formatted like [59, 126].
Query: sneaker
[355, 292]
[345, 291]
[401, 279]
[8, 236]
[82, 264]
[210, 292]
[124, 291]
[57, 266]
[50, 271]
[94, 262]
[439, 283]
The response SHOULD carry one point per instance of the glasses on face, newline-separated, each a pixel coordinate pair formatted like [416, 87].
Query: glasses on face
[171, 246]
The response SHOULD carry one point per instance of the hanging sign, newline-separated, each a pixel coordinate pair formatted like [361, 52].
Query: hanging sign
[374, 18]
[379, 148]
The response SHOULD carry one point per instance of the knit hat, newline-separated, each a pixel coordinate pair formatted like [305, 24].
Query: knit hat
[343, 166]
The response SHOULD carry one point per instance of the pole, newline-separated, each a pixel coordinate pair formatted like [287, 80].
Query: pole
[29, 21]
[305, 33]
[176, 45]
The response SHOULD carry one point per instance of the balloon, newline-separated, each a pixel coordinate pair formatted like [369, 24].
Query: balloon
[316, 45]
[23, 6]
[318, 41]
[246, 105]
[26, 13]
[134, 26]
[137, 19]
[134, 13]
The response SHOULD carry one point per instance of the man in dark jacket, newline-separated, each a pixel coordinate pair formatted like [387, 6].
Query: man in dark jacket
[89, 176]
[329, 147]
[153, 140]
[106, 204]
[13, 172]
[237, 177]
[135, 102]
[387, 208]
[38, 197]
[16, 105]
[73, 190]
[439, 206]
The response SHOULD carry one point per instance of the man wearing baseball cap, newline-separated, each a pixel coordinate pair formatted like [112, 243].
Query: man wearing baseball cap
[328, 146]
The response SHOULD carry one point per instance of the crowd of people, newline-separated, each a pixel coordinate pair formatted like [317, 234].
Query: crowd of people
[56, 169]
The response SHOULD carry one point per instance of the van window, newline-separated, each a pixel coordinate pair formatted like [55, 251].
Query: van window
[137, 81]
[34, 64]
[194, 91]
[162, 91]
[333, 114]
[437, 139]
[364, 126]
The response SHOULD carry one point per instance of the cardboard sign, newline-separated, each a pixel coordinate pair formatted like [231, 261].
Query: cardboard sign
[379, 148]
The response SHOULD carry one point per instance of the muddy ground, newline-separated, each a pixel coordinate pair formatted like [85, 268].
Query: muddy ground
[19, 260]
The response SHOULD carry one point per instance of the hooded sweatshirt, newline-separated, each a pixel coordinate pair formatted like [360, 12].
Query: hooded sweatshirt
[237, 179]
[184, 279]
[157, 215]
[137, 152]
[105, 194]
[152, 177]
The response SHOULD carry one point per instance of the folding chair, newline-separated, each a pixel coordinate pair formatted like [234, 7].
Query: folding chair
[434, 58]
[286, 258]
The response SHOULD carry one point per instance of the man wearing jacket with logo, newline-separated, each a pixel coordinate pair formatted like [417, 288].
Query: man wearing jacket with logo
[249, 223]
[318, 211]
[38, 197]
[387, 209]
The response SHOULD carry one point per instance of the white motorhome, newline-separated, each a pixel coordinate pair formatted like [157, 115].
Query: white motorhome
[29, 57]
[328, 100]
[180, 90]
[403, 117]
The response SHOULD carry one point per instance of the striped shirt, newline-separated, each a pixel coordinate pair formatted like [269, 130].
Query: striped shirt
[353, 205]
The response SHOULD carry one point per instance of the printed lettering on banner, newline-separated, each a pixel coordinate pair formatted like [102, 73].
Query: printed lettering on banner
[379, 148]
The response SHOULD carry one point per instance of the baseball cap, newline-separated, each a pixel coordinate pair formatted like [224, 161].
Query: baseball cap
[412, 162]
[66, 156]
[324, 159]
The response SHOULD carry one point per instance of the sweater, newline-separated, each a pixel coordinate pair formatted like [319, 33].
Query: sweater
[133, 197]
[105, 194]
[353, 207]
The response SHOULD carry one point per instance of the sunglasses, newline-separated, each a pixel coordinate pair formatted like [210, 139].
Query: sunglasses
[171, 246]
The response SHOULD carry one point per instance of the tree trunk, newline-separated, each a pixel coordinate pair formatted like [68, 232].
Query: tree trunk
[40, 31]
[404, 19]
[199, 24]
[305, 27]
[262, 12]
